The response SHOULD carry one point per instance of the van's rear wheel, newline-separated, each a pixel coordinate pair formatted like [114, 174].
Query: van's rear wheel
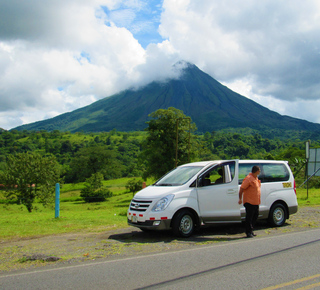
[183, 224]
[277, 215]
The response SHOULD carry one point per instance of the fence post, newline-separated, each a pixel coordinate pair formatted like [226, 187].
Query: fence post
[57, 204]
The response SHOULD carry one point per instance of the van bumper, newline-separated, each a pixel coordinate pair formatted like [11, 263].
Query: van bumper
[152, 225]
[293, 209]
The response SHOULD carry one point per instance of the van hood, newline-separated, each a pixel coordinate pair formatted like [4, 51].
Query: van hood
[155, 192]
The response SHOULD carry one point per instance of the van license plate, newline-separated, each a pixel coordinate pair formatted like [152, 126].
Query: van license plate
[134, 219]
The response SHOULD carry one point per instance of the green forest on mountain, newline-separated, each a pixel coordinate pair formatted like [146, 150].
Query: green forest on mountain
[119, 154]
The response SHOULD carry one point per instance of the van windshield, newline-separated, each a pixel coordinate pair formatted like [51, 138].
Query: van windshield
[178, 176]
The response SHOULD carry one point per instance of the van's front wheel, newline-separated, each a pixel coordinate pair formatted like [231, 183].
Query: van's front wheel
[277, 215]
[183, 224]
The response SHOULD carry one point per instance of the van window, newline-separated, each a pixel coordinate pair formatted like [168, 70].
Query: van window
[244, 170]
[178, 176]
[274, 172]
[219, 174]
[270, 172]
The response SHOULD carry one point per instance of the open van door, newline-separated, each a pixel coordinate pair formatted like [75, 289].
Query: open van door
[218, 193]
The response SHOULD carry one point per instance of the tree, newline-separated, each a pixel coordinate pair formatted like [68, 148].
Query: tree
[94, 190]
[30, 176]
[161, 142]
[88, 161]
[134, 185]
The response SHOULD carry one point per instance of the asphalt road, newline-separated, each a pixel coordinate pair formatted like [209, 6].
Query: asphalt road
[286, 261]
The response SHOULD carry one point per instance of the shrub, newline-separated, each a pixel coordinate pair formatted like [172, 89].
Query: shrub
[94, 190]
[90, 195]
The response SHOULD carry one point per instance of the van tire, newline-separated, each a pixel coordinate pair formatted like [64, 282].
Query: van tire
[183, 224]
[277, 215]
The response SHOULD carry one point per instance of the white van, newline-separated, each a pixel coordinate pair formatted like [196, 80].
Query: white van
[206, 193]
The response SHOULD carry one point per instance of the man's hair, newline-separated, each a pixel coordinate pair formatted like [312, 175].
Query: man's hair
[255, 168]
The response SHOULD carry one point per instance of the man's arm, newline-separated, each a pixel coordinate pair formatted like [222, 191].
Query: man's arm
[240, 195]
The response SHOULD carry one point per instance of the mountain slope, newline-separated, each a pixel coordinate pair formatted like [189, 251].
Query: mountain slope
[211, 106]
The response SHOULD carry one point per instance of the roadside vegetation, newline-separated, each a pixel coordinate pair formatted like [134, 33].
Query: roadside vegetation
[100, 172]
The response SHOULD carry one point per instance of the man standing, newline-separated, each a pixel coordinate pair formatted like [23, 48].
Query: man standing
[251, 191]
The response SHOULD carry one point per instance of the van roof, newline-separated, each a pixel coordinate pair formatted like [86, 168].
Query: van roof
[206, 163]
[262, 161]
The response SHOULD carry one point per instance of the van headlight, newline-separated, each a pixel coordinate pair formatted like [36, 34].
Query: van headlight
[163, 203]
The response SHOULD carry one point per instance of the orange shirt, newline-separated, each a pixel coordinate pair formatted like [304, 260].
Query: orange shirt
[252, 190]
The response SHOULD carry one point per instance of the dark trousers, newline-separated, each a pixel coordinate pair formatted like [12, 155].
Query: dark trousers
[252, 213]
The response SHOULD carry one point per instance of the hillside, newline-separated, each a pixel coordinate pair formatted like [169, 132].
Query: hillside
[211, 106]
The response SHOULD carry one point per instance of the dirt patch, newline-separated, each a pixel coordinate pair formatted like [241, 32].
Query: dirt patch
[121, 243]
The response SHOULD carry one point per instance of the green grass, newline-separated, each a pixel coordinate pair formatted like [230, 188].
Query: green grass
[71, 192]
[75, 215]
[312, 197]
[16, 222]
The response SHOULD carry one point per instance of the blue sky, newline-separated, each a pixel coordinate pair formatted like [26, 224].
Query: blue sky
[142, 21]
[57, 56]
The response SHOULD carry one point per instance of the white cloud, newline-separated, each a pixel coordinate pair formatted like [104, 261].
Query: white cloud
[296, 109]
[71, 65]
[271, 42]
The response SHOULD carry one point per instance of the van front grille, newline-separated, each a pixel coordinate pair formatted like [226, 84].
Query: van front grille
[140, 205]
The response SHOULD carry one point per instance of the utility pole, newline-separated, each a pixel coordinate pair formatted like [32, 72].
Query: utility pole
[307, 164]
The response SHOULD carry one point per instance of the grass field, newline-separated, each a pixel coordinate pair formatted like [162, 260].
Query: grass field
[77, 216]
[310, 197]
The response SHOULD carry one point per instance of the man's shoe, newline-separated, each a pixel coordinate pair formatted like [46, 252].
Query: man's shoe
[249, 235]
[254, 234]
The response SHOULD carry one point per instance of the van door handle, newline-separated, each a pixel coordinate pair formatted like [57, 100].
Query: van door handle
[231, 191]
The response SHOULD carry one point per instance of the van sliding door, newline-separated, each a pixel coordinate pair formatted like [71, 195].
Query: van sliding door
[218, 193]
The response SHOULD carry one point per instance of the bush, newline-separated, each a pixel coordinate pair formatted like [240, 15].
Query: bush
[90, 195]
[94, 190]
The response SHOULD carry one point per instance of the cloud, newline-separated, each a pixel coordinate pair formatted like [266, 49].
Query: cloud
[58, 56]
[303, 109]
[272, 43]
[70, 60]
[53, 23]
[141, 18]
